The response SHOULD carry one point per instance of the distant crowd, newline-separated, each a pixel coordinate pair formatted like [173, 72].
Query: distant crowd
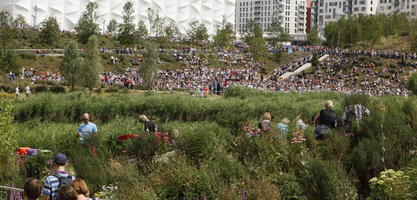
[342, 71]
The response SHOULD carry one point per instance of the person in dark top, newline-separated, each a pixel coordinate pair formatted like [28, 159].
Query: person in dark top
[325, 119]
[149, 125]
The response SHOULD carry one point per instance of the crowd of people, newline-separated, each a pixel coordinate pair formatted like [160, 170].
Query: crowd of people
[341, 72]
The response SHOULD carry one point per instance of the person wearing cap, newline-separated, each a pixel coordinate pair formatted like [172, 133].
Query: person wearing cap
[53, 182]
[86, 132]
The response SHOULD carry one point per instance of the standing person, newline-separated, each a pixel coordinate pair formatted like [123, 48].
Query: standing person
[27, 91]
[324, 120]
[87, 132]
[17, 92]
[149, 125]
[32, 189]
[59, 178]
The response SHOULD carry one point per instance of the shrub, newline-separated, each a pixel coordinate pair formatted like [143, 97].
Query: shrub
[390, 185]
[6, 88]
[57, 89]
[38, 166]
[111, 90]
[8, 142]
[41, 88]
[320, 180]
[412, 83]
[29, 56]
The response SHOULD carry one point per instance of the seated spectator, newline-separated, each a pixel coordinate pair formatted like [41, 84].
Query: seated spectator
[149, 125]
[324, 120]
[265, 124]
[283, 127]
[354, 112]
[81, 189]
[67, 192]
[32, 189]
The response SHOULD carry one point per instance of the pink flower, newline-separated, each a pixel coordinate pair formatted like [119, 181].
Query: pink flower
[124, 151]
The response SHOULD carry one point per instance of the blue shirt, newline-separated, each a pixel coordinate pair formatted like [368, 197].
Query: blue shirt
[86, 129]
[51, 185]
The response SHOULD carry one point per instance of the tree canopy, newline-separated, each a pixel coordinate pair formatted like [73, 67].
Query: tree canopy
[87, 24]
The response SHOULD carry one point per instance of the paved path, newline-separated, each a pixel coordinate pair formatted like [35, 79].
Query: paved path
[302, 68]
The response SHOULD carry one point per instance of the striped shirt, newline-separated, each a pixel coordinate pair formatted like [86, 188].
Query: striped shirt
[51, 185]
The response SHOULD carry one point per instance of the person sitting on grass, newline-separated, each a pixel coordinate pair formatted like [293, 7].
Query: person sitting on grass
[149, 125]
[81, 188]
[265, 124]
[324, 120]
[32, 189]
[67, 192]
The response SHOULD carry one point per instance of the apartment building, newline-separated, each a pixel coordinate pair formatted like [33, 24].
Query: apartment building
[292, 15]
[325, 11]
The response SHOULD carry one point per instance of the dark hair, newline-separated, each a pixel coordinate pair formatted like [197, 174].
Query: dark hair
[67, 192]
[32, 188]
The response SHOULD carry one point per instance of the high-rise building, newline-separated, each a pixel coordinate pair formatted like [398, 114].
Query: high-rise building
[68, 12]
[291, 14]
[325, 11]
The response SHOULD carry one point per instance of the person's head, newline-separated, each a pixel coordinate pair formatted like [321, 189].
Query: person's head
[86, 118]
[267, 116]
[175, 133]
[32, 189]
[143, 118]
[328, 104]
[60, 160]
[285, 121]
[80, 187]
[67, 192]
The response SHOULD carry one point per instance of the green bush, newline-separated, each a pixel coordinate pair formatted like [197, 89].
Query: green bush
[6, 88]
[40, 88]
[57, 89]
[412, 83]
[29, 56]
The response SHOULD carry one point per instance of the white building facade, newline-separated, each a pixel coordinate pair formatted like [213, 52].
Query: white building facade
[326, 11]
[290, 13]
[68, 12]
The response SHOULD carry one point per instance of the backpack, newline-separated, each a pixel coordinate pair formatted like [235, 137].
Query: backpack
[63, 180]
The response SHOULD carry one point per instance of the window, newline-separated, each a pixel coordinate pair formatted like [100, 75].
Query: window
[371, 9]
[363, 9]
[356, 9]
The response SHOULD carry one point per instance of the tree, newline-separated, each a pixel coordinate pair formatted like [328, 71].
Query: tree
[127, 28]
[7, 33]
[8, 62]
[331, 34]
[197, 32]
[6, 18]
[87, 25]
[172, 30]
[371, 30]
[276, 33]
[92, 67]
[149, 68]
[71, 65]
[412, 83]
[253, 30]
[257, 48]
[315, 60]
[20, 21]
[142, 31]
[313, 37]
[112, 27]
[224, 34]
[50, 31]
[156, 22]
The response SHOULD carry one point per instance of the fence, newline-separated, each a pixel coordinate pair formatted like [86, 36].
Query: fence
[10, 193]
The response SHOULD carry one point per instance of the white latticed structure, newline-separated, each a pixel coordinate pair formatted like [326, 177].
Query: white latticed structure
[68, 12]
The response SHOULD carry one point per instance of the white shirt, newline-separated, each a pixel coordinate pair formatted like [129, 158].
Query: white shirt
[17, 90]
[27, 89]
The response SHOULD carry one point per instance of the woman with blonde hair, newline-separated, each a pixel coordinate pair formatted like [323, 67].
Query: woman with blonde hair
[325, 119]
[81, 188]
[265, 124]
[149, 125]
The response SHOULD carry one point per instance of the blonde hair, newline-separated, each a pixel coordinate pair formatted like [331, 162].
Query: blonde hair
[267, 116]
[80, 187]
[328, 104]
[143, 118]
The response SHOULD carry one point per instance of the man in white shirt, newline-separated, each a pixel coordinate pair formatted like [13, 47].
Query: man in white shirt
[17, 92]
[27, 91]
